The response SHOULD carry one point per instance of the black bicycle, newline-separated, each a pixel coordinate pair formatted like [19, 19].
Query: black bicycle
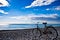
[49, 33]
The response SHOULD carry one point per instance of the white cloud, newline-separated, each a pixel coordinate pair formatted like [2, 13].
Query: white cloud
[54, 8]
[2, 11]
[49, 15]
[3, 3]
[47, 9]
[40, 3]
[27, 19]
[21, 17]
[57, 8]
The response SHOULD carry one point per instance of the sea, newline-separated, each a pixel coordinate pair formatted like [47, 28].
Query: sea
[31, 25]
[26, 26]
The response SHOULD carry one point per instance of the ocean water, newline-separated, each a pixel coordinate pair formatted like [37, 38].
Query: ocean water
[31, 25]
[25, 26]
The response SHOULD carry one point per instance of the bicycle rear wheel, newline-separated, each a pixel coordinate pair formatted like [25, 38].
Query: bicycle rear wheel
[36, 32]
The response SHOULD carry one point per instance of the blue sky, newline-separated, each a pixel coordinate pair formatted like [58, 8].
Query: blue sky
[29, 11]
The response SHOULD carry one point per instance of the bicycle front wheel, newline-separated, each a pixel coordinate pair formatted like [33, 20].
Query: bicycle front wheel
[51, 32]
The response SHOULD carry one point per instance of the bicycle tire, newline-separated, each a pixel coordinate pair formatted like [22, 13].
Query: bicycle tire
[36, 32]
[50, 27]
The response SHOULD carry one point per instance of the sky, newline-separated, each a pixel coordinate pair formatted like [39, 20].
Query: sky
[29, 11]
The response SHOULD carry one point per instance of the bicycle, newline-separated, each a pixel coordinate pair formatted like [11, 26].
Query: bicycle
[49, 33]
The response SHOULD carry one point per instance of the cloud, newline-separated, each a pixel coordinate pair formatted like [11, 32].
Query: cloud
[49, 17]
[30, 19]
[54, 8]
[40, 3]
[57, 8]
[48, 9]
[3, 3]
[3, 12]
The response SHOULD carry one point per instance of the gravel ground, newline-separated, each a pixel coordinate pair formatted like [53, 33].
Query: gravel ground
[25, 34]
